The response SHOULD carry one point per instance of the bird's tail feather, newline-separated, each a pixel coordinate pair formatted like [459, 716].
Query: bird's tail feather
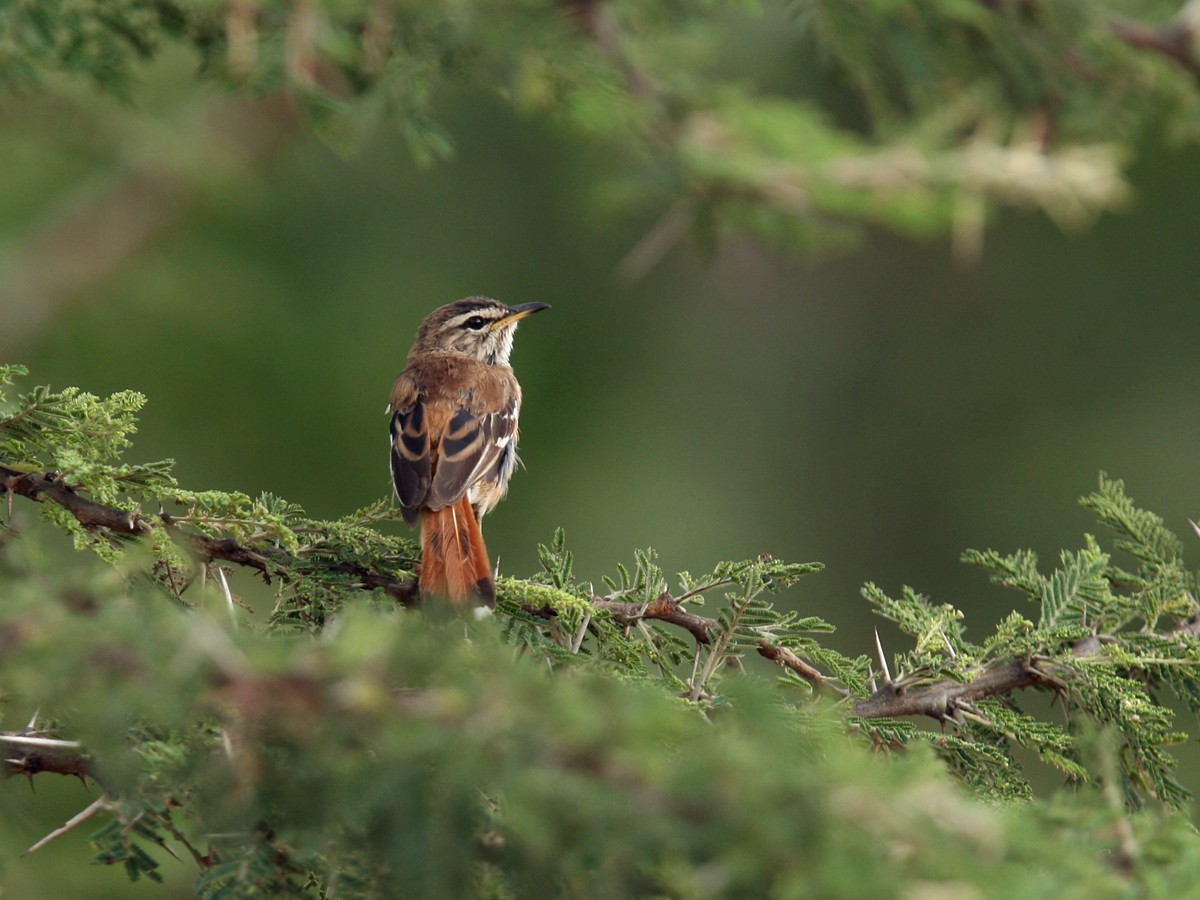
[454, 559]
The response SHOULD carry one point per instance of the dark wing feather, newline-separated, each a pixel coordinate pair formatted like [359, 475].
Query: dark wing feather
[473, 448]
[410, 459]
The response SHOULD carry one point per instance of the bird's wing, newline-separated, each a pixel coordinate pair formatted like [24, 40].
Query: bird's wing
[411, 459]
[477, 444]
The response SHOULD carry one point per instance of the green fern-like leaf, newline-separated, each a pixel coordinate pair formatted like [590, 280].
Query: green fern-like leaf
[1073, 593]
[1139, 532]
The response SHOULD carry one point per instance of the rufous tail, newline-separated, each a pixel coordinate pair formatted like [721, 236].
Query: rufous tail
[454, 559]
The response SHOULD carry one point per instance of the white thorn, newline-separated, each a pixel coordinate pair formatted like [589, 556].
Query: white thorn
[577, 643]
[38, 741]
[228, 595]
[887, 675]
[1195, 527]
[75, 820]
[949, 646]
[33, 721]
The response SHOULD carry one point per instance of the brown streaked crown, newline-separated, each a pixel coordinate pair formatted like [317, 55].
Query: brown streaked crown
[479, 327]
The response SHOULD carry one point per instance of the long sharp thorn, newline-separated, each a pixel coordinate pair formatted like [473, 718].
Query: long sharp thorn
[228, 596]
[72, 822]
[887, 675]
[950, 647]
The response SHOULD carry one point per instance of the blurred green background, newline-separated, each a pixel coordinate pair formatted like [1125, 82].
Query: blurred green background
[878, 410]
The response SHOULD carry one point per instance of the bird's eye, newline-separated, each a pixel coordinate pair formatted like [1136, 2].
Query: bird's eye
[475, 323]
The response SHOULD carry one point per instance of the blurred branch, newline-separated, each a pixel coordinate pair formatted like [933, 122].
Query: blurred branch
[597, 21]
[101, 225]
[1176, 40]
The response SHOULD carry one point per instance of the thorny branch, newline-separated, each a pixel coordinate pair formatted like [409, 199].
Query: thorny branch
[938, 700]
[28, 752]
[267, 560]
[941, 699]
[89, 513]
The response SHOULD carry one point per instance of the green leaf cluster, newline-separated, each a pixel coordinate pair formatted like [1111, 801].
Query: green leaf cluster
[799, 122]
[395, 755]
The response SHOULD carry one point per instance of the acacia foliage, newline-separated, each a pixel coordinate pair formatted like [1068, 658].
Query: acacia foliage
[615, 745]
[795, 121]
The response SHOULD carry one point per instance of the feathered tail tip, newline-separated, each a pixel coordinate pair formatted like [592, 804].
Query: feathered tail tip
[454, 560]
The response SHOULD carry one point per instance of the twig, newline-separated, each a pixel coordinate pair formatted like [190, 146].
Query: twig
[664, 609]
[598, 22]
[201, 860]
[789, 659]
[652, 246]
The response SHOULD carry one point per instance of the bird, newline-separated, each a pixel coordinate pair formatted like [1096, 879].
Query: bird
[454, 425]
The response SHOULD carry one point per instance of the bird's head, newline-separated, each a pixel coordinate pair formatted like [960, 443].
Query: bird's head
[477, 326]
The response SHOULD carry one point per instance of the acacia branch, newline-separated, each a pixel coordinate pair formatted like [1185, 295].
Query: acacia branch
[942, 699]
[670, 610]
[28, 753]
[663, 609]
[88, 513]
[939, 700]
[789, 659]
[268, 560]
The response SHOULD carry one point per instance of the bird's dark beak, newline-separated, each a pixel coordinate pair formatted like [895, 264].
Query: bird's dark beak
[517, 313]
